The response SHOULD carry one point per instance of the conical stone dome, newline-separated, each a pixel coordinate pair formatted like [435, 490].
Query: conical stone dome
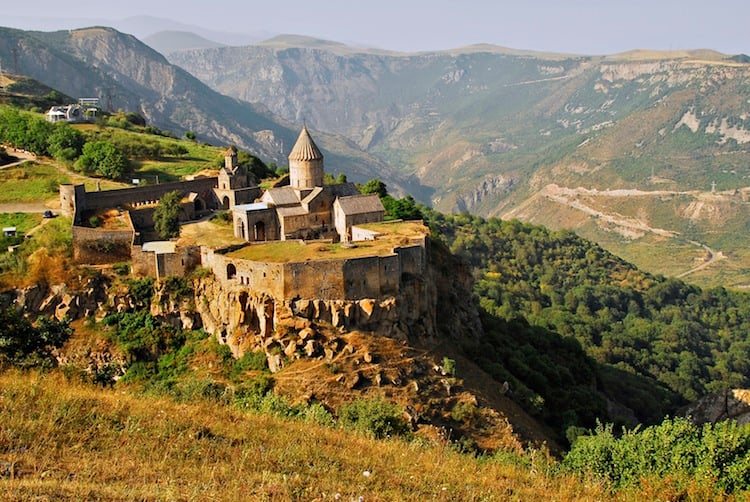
[305, 148]
[305, 163]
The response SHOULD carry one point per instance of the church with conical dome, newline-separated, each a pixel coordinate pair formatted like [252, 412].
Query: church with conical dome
[306, 208]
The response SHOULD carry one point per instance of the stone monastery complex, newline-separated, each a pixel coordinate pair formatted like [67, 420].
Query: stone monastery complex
[305, 212]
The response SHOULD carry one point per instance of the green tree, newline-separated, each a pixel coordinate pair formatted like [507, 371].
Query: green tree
[65, 143]
[167, 215]
[405, 208]
[103, 158]
[374, 186]
[23, 344]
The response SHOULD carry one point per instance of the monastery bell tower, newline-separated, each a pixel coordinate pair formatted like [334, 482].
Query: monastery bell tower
[305, 163]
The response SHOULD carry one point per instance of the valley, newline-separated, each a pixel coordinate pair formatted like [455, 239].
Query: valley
[567, 286]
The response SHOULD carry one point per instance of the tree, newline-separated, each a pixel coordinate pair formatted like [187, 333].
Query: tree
[23, 344]
[374, 186]
[102, 157]
[190, 135]
[65, 143]
[405, 208]
[167, 215]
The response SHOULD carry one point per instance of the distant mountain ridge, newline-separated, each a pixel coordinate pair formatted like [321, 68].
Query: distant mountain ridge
[129, 75]
[485, 129]
[166, 42]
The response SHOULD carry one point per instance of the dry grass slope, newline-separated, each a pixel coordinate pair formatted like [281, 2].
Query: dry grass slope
[63, 440]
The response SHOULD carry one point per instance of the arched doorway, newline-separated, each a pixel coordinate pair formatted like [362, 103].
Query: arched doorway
[241, 229]
[225, 202]
[199, 205]
[231, 271]
[260, 231]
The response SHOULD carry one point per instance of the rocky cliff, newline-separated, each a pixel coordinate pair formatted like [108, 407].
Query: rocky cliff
[322, 351]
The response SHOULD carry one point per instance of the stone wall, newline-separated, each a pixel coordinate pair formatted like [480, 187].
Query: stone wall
[349, 279]
[76, 198]
[266, 278]
[413, 259]
[98, 246]
[181, 262]
[322, 279]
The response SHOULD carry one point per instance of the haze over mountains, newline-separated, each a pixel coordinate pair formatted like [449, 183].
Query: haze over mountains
[641, 150]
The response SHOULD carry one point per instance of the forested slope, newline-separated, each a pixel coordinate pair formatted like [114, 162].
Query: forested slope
[582, 334]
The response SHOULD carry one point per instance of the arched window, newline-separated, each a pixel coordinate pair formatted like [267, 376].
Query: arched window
[231, 271]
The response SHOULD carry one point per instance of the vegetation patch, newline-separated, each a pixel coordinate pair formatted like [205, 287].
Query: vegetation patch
[30, 182]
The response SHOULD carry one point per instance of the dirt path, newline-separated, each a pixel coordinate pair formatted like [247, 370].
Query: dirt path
[23, 207]
[628, 226]
[713, 257]
[21, 155]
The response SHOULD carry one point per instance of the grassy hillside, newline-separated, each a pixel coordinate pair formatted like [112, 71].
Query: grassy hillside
[65, 440]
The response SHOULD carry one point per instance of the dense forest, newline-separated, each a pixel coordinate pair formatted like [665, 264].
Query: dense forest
[577, 329]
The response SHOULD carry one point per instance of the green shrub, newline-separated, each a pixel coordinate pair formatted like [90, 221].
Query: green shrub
[251, 361]
[316, 413]
[376, 417]
[25, 345]
[141, 291]
[676, 448]
[463, 412]
[177, 287]
[449, 366]
[121, 268]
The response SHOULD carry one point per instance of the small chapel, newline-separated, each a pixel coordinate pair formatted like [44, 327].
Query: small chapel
[306, 209]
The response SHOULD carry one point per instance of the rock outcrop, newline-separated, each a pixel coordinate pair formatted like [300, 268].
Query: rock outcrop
[729, 405]
[437, 303]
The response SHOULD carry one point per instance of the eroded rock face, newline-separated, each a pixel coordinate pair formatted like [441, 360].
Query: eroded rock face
[427, 307]
[244, 319]
[730, 405]
[61, 301]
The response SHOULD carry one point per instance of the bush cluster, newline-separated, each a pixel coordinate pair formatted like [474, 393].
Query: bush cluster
[676, 449]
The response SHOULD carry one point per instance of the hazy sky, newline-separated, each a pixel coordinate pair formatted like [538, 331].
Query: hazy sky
[571, 26]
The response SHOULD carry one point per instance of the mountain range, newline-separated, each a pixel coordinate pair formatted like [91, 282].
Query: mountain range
[644, 152]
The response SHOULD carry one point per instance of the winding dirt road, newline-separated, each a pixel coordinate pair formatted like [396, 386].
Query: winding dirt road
[629, 226]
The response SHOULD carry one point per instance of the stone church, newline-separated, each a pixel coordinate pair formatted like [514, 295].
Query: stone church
[306, 209]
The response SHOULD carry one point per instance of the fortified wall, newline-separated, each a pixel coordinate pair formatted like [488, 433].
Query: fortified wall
[97, 246]
[336, 279]
[74, 199]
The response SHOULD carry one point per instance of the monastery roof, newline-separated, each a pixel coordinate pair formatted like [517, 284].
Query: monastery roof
[305, 148]
[159, 247]
[311, 196]
[255, 206]
[281, 196]
[291, 211]
[343, 189]
[360, 204]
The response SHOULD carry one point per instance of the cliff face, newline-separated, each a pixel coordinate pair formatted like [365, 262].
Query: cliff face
[426, 308]
[429, 308]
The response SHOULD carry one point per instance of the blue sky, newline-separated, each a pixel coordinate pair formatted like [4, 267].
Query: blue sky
[570, 26]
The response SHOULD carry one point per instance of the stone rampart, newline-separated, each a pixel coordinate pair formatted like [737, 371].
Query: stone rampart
[74, 199]
[182, 261]
[99, 246]
[323, 279]
[346, 279]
